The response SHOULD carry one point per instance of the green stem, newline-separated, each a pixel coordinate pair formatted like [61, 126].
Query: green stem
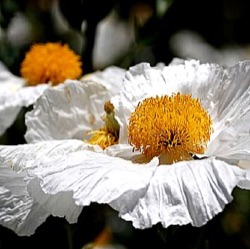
[69, 236]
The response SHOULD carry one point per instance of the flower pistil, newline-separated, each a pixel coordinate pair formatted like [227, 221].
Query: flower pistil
[109, 134]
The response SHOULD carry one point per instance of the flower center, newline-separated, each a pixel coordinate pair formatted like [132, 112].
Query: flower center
[109, 134]
[172, 127]
[50, 63]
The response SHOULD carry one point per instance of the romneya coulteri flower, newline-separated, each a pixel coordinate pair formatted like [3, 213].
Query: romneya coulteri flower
[45, 65]
[183, 129]
[51, 63]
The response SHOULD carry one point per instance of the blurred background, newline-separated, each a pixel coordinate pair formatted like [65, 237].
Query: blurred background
[124, 33]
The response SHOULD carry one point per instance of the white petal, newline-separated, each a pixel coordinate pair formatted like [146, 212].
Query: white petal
[142, 81]
[111, 78]
[18, 211]
[127, 152]
[187, 192]
[87, 177]
[20, 157]
[13, 96]
[124, 151]
[66, 175]
[231, 138]
[67, 111]
[192, 77]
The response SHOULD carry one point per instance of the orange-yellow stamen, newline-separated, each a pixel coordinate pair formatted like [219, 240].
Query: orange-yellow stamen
[50, 63]
[109, 134]
[174, 126]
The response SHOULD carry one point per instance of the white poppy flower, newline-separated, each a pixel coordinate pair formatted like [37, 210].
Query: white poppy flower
[64, 176]
[40, 70]
[13, 96]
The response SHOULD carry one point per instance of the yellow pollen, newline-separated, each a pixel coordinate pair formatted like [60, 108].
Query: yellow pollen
[109, 134]
[174, 127]
[50, 63]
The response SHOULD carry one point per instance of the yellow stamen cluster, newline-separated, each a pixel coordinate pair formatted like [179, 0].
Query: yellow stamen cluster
[50, 63]
[102, 138]
[174, 126]
[109, 134]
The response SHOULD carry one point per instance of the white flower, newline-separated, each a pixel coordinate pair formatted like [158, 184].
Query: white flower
[65, 175]
[13, 96]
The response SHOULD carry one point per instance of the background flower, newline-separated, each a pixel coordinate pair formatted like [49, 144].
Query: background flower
[50, 63]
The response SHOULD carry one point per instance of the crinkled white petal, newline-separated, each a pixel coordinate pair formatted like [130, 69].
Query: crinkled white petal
[231, 138]
[18, 211]
[187, 192]
[111, 78]
[143, 81]
[20, 157]
[13, 96]
[67, 111]
[66, 175]
[192, 77]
